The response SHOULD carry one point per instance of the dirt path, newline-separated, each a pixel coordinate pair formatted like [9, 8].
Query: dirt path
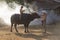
[53, 33]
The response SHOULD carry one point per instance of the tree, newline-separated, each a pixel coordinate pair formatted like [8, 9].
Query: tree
[20, 2]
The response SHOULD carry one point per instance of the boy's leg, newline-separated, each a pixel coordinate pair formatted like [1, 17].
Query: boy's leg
[44, 25]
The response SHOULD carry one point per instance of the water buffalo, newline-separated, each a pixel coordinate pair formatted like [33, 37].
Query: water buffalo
[23, 19]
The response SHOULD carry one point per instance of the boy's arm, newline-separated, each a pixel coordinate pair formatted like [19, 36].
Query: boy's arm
[23, 10]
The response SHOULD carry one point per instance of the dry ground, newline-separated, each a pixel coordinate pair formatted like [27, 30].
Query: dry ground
[36, 33]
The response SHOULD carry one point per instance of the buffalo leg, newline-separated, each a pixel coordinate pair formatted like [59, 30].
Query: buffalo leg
[16, 27]
[26, 28]
[11, 27]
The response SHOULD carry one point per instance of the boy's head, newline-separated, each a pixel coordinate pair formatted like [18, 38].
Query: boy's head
[44, 12]
[22, 6]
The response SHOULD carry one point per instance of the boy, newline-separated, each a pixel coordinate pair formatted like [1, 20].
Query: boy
[43, 20]
[21, 10]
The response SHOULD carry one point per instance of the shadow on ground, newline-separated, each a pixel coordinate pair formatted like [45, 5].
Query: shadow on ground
[30, 35]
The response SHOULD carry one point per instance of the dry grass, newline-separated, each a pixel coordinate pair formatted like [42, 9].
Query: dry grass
[36, 33]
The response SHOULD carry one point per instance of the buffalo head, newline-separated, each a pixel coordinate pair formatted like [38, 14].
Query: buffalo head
[35, 15]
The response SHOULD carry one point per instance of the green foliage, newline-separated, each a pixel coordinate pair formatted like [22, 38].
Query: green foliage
[18, 1]
[11, 4]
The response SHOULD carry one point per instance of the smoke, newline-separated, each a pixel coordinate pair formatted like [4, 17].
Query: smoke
[2, 23]
[6, 11]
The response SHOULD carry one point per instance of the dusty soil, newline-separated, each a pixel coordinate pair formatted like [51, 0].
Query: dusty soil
[36, 33]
